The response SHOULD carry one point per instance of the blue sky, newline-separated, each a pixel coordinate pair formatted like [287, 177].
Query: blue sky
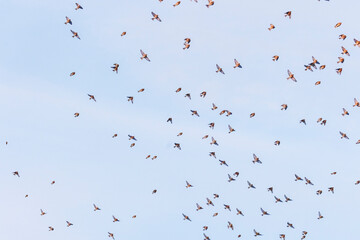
[46, 143]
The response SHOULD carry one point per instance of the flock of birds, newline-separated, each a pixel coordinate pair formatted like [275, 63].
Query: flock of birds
[211, 201]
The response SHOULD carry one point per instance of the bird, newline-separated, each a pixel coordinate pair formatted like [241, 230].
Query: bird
[236, 174]
[303, 121]
[198, 207]
[287, 199]
[115, 67]
[78, 6]
[356, 103]
[322, 67]
[132, 137]
[222, 162]
[277, 143]
[344, 51]
[271, 189]
[342, 36]
[239, 212]
[111, 235]
[277, 199]
[69, 224]
[337, 25]
[211, 125]
[115, 219]
[230, 226]
[318, 192]
[52, 183]
[205, 228]
[188, 185]
[169, 120]
[291, 76]
[206, 237]
[144, 56]
[307, 181]
[154, 191]
[203, 94]
[177, 3]
[72, 74]
[155, 16]
[339, 71]
[212, 154]
[356, 43]
[284, 107]
[210, 3]
[76, 114]
[219, 69]
[320, 216]
[51, 229]
[257, 233]
[96, 208]
[91, 97]
[290, 225]
[288, 14]
[209, 202]
[271, 27]
[179, 134]
[252, 115]
[194, 112]
[297, 178]
[178, 90]
[130, 99]
[317, 83]
[250, 185]
[331, 189]
[275, 58]
[263, 212]
[213, 141]
[186, 217]
[231, 129]
[345, 112]
[231, 178]
[237, 64]
[16, 173]
[123, 34]
[75, 34]
[42, 213]
[68, 21]
[177, 145]
[256, 159]
[341, 60]
[282, 236]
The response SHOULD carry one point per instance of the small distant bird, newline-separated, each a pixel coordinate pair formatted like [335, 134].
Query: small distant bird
[282, 236]
[169, 120]
[250, 185]
[322, 67]
[331, 189]
[339, 71]
[115, 135]
[213, 141]
[320, 216]
[252, 115]
[338, 25]
[111, 235]
[239, 212]
[178, 90]
[318, 192]
[206, 237]
[209, 202]
[291, 76]
[96, 208]
[227, 207]
[277, 199]
[51, 229]
[223, 162]
[345, 112]
[230, 225]
[297, 178]
[115, 67]
[317, 83]
[91, 97]
[215, 214]
[303, 121]
[69, 224]
[198, 207]
[356, 103]
[16, 173]
[188, 185]
[179, 134]
[76, 114]
[270, 189]
[130, 99]
[256, 159]
[68, 21]
[344, 51]
[237, 64]
[219, 69]
[155, 16]
[341, 60]
[308, 181]
[177, 3]
[288, 14]
[177, 145]
[275, 58]
[216, 195]
[203, 94]
[277, 143]
[52, 183]
[194, 112]
[271, 27]
[257, 233]
[78, 6]
[144, 56]
[231, 178]
[123, 34]
[342, 36]
[236, 174]
[186, 217]
[72, 74]
[356, 43]
[115, 219]
[154, 191]
[333, 173]
[231, 129]
[212, 154]
[42, 213]
[75, 34]
[132, 137]
[263, 212]
[290, 225]
[210, 3]
[287, 199]
[284, 106]
[141, 90]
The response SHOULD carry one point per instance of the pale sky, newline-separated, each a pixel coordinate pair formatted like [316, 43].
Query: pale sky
[46, 143]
